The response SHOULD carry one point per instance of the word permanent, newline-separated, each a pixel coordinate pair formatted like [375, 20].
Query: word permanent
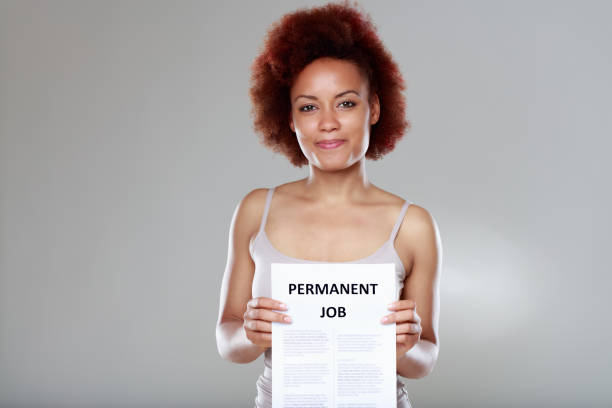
[332, 288]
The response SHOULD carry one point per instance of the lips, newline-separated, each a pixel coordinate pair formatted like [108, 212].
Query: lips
[330, 144]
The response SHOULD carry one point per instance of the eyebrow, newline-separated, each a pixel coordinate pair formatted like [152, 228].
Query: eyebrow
[337, 96]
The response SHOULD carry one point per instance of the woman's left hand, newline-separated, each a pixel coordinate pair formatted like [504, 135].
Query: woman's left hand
[408, 325]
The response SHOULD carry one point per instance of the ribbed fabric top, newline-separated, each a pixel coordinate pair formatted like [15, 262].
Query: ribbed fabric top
[264, 254]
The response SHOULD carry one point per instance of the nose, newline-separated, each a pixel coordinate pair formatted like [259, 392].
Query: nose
[328, 122]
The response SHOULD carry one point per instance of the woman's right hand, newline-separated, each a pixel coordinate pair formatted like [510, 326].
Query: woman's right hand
[258, 320]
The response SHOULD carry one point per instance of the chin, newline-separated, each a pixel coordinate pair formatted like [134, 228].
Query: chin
[329, 164]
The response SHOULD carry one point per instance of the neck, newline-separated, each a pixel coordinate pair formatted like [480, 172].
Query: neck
[337, 187]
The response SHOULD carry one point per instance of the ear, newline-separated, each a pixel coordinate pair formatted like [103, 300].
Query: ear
[291, 122]
[374, 109]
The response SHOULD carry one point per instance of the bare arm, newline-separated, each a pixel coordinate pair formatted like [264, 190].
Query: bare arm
[422, 285]
[232, 342]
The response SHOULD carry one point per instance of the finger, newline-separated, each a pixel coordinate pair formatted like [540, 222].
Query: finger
[417, 318]
[401, 316]
[266, 303]
[267, 315]
[402, 304]
[259, 337]
[409, 315]
[407, 338]
[408, 328]
[258, 325]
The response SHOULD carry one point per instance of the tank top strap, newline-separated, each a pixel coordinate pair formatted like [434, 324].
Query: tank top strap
[266, 209]
[399, 220]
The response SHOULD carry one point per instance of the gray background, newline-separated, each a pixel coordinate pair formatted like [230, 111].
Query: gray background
[126, 143]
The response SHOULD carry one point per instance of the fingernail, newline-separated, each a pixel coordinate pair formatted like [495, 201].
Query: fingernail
[392, 304]
[384, 319]
[282, 305]
[287, 319]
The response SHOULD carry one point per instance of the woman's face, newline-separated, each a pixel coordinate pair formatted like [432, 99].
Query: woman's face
[331, 113]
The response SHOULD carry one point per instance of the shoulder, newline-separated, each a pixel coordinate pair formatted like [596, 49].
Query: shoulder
[253, 203]
[249, 210]
[391, 201]
[419, 219]
[419, 232]
[254, 199]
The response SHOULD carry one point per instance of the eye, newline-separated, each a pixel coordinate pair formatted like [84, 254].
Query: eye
[347, 104]
[307, 108]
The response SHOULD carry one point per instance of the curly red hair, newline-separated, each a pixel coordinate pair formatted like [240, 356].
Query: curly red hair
[336, 30]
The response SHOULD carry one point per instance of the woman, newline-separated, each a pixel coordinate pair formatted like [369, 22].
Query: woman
[326, 93]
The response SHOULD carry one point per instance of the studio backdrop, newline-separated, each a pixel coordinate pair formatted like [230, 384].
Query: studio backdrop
[126, 142]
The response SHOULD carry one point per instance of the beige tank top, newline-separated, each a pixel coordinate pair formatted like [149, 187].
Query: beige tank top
[264, 254]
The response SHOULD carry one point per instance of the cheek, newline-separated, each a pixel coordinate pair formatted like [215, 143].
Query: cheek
[360, 122]
[304, 127]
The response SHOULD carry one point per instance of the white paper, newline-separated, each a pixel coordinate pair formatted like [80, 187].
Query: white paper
[345, 359]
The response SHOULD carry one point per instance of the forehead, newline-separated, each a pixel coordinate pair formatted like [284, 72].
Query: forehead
[328, 76]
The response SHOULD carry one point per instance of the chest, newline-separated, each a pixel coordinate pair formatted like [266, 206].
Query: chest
[332, 236]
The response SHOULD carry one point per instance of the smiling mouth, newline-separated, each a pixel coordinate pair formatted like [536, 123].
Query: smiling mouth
[330, 144]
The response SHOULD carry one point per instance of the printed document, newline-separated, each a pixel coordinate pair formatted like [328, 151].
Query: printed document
[335, 353]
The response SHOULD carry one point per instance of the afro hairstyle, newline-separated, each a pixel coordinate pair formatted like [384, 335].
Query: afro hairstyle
[336, 30]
